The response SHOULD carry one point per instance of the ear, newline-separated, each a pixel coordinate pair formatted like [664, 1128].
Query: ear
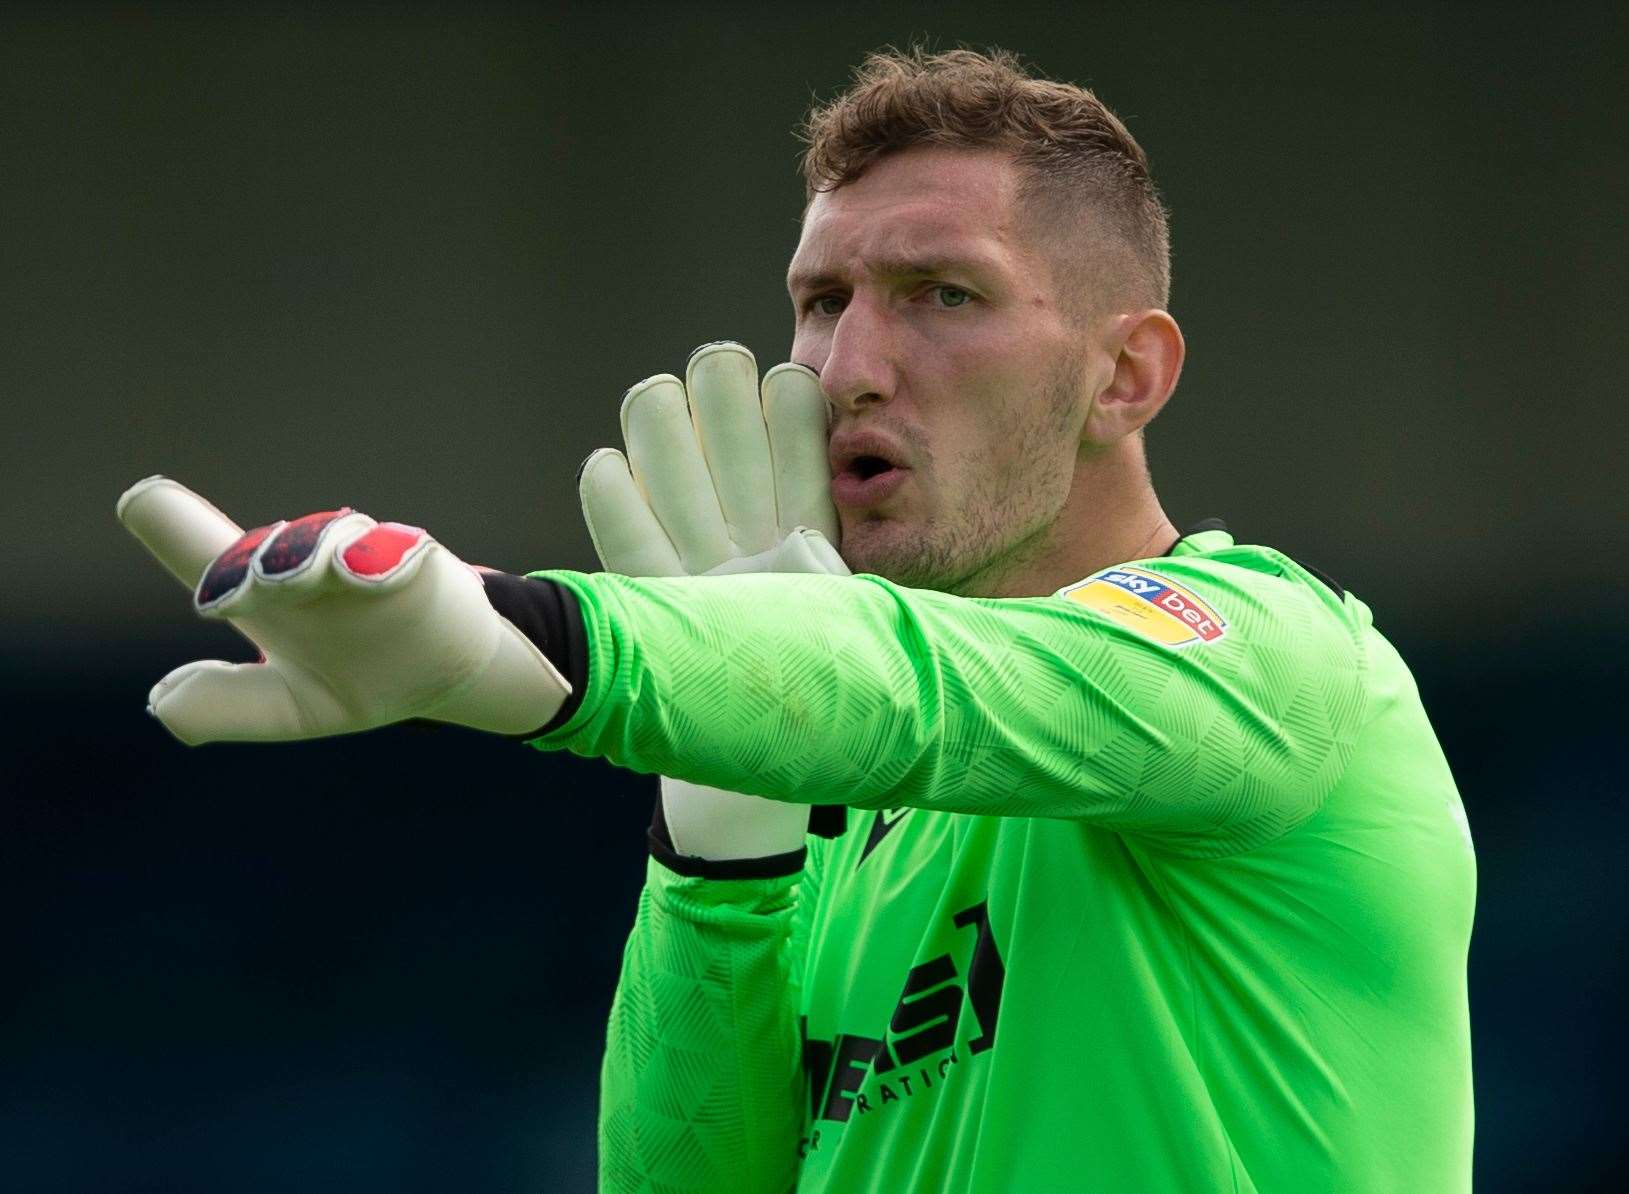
[1147, 350]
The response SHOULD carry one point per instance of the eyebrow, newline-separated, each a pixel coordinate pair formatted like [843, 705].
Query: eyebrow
[890, 267]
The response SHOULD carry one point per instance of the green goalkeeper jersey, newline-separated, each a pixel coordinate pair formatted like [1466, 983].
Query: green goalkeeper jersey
[1161, 883]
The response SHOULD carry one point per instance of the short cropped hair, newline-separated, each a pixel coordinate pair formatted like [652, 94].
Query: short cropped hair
[1085, 179]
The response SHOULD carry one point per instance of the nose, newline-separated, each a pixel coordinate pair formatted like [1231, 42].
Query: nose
[860, 368]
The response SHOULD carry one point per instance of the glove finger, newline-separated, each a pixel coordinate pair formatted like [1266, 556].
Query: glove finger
[798, 421]
[271, 564]
[226, 580]
[213, 701]
[626, 535]
[380, 556]
[182, 530]
[669, 469]
[294, 552]
[722, 381]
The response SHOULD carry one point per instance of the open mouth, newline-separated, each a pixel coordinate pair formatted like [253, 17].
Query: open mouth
[866, 467]
[867, 480]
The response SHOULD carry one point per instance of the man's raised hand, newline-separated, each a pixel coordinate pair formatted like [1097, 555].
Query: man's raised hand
[360, 624]
[721, 476]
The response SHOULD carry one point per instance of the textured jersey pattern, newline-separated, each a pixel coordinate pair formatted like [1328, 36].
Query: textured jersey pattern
[699, 1088]
[855, 691]
[1129, 917]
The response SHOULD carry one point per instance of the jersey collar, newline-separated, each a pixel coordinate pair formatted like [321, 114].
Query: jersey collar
[1210, 534]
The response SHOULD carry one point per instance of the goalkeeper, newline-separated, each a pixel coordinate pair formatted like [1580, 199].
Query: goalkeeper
[1054, 850]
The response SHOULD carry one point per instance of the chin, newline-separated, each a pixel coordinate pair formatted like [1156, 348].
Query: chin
[891, 549]
[871, 544]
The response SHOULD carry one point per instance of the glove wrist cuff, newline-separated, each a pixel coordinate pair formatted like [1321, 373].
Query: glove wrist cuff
[547, 617]
[771, 866]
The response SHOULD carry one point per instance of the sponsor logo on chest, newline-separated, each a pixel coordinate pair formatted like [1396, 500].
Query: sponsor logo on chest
[862, 1075]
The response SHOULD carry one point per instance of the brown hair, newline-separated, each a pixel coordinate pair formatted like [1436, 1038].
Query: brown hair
[1086, 179]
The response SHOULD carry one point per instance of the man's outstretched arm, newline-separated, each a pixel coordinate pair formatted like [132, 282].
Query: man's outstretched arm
[808, 689]
[854, 690]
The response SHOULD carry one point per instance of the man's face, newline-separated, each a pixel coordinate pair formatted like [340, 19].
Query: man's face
[958, 384]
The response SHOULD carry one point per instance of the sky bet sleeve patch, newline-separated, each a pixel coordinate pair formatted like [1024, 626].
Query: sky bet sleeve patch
[1149, 604]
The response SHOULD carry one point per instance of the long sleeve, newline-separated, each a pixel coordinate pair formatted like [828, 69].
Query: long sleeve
[702, 1086]
[856, 691]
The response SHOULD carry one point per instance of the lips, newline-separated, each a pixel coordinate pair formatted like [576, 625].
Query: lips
[867, 467]
[850, 489]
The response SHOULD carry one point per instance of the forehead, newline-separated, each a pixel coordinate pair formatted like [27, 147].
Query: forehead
[919, 202]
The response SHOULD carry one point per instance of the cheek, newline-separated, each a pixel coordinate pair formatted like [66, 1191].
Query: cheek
[809, 349]
[1003, 445]
[973, 451]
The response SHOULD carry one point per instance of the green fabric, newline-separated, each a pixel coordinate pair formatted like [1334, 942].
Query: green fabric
[1127, 916]
[701, 1080]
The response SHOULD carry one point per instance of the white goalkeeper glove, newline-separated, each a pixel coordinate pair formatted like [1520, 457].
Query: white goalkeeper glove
[731, 479]
[360, 624]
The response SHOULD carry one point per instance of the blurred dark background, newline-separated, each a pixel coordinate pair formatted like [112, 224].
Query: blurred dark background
[409, 258]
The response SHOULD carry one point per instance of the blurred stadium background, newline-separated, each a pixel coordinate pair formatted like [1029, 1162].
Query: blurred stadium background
[408, 259]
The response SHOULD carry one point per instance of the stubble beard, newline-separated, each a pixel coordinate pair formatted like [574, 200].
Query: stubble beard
[997, 518]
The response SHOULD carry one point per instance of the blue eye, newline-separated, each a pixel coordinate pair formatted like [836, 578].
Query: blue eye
[952, 296]
[827, 305]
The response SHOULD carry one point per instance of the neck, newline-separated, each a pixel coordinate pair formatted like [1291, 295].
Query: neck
[1111, 516]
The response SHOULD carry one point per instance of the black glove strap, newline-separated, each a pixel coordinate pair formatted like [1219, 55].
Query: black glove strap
[547, 613]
